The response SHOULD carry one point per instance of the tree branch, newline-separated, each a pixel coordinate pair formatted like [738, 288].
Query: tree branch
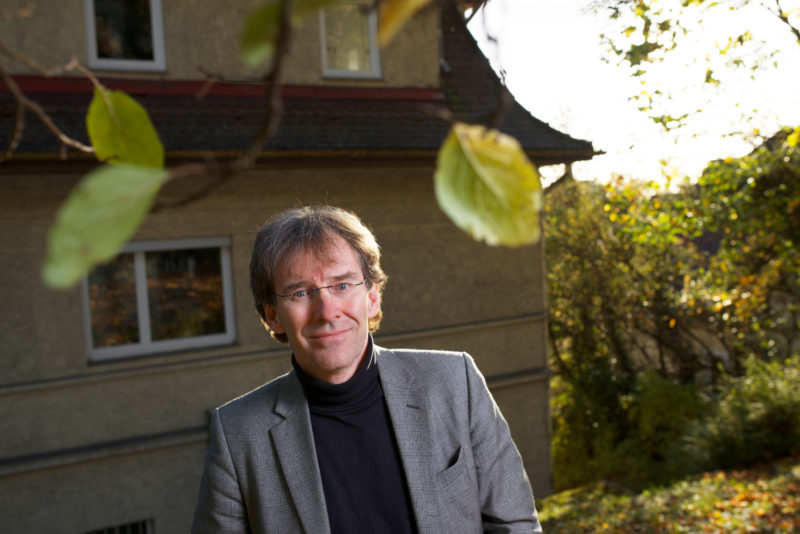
[785, 20]
[26, 103]
[274, 109]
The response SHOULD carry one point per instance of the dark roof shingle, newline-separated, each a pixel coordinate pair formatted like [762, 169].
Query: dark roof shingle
[346, 122]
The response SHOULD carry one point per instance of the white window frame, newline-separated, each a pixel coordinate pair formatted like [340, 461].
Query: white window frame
[146, 345]
[157, 64]
[374, 51]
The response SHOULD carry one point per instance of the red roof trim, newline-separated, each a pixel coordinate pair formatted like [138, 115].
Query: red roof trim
[72, 84]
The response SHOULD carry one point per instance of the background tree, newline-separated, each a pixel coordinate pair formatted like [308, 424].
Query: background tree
[689, 54]
[658, 301]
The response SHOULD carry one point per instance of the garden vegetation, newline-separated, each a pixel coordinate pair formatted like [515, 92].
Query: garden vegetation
[674, 321]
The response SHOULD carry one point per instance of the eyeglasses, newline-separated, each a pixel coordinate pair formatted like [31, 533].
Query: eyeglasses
[339, 290]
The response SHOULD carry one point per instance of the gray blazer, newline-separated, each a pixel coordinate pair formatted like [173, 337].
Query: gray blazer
[464, 473]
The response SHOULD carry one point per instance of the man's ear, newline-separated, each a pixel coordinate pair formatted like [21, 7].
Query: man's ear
[374, 305]
[271, 316]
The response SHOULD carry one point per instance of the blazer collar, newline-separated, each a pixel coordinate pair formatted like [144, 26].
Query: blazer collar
[294, 445]
[410, 417]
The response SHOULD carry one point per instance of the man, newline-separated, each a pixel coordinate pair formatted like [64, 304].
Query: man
[356, 438]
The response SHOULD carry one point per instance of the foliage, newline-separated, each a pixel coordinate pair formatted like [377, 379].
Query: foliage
[121, 132]
[485, 183]
[97, 218]
[263, 26]
[765, 500]
[654, 297]
[751, 205]
[615, 274]
[586, 450]
[644, 34]
[104, 210]
[756, 417]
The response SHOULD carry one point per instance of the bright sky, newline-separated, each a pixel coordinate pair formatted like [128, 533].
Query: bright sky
[550, 51]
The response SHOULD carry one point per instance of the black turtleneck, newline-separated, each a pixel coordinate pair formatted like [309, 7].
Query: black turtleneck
[362, 477]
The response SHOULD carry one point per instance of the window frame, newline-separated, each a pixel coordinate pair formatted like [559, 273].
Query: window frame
[157, 64]
[374, 50]
[146, 345]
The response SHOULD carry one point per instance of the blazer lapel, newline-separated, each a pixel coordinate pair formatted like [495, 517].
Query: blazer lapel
[294, 444]
[409, 416]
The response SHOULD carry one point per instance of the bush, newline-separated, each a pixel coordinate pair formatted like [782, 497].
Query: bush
[636, 452]
[754, 418]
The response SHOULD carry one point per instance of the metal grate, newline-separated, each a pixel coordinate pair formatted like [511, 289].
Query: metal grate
[137, 527]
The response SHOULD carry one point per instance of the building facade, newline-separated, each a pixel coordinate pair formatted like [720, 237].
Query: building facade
[105, 389]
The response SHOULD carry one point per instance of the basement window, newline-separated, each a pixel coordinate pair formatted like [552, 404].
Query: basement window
[349, 40]
[160, 296]
[125, 35]
[138, 527]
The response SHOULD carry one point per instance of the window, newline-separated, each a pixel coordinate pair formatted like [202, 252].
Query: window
[139, 527]
[125, 34]
[160, 296]
[349, 45]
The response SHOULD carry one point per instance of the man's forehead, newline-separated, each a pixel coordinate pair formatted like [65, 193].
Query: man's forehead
[334, 255]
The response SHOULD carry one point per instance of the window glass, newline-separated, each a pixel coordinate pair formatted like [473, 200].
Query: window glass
[349, 41]
[160, 296]
[123, 29]
[112, 303]
[347, 37]
[185, 293]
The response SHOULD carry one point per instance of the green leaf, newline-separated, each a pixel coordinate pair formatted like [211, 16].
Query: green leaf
[260, 31]
[485, 183]
[121, 132]
[101, 213]
[261, 28]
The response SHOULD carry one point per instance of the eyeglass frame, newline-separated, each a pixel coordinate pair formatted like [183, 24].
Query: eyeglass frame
[315, 290]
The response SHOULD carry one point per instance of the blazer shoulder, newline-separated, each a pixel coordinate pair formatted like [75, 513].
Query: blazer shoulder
[256, 400]
[426, 365]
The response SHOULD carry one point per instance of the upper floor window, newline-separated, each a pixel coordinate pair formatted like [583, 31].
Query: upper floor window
[159, 296]
[349, 42]
[125, 34]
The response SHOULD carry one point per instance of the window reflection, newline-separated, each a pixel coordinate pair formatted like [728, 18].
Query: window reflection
[123, 29]
[185, 293]
[112, 303]
[347, 37]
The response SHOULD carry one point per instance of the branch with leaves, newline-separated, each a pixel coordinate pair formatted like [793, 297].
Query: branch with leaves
[643, 34]
[484, 181]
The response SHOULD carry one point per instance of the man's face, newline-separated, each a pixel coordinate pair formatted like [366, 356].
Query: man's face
[327, 333]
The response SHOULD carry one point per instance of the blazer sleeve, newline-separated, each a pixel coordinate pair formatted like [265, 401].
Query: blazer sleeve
[505, 492]
[220, 507]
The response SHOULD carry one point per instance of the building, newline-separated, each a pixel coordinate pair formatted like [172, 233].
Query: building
[104, 398]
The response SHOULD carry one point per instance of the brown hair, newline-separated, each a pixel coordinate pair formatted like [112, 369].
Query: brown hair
[310, 228]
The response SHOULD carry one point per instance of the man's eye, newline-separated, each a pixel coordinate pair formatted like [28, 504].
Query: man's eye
[342, 286]
[300, 294]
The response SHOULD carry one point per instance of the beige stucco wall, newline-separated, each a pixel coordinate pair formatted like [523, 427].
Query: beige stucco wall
[75, 431]
[206, 35]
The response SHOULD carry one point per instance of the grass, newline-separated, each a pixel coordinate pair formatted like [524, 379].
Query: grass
[763, 500]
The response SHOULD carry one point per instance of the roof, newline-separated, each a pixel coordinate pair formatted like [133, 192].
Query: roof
[315, 119]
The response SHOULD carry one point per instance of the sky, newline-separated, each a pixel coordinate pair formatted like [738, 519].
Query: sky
[550, 51]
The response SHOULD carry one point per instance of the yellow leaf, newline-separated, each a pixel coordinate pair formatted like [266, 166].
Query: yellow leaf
[485, 183]
[393, 14]
[793, 137]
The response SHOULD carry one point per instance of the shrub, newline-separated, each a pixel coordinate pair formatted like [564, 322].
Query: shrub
[754, 418]
[636, 452]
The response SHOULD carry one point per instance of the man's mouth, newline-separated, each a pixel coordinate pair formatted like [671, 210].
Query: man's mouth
[331, 335]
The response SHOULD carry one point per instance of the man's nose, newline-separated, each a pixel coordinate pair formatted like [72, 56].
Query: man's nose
[324, 304]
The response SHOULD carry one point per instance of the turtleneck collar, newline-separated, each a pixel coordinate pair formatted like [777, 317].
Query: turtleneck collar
[351, 394]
